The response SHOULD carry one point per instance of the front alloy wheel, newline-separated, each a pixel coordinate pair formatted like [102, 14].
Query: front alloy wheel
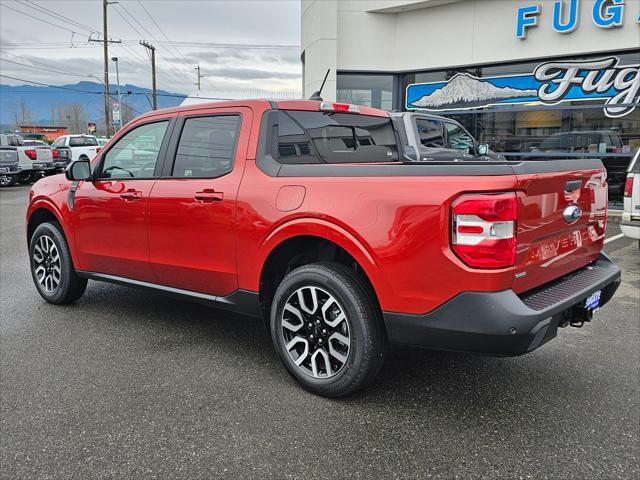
[52, 267]
[46, 263]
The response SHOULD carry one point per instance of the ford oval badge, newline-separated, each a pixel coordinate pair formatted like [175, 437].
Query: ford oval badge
[572, 214]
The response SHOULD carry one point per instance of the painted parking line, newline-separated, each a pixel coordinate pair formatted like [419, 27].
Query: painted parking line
[615, 237]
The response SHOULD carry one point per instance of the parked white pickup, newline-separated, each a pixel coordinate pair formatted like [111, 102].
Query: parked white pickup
[79, 147]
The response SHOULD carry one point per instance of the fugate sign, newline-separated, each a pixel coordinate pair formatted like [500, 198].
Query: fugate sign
[618, 86]
[604, 14]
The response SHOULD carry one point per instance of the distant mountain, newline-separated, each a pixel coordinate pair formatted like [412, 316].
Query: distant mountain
[466, 90]
[38, 99]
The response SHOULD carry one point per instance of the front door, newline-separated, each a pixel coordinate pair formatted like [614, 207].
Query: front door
[110, 213]
[192, 207]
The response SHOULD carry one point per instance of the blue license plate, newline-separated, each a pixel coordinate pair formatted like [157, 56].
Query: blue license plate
[593, 301]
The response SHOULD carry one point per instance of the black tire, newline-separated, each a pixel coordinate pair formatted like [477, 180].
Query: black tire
[367, 348]
[26, 178]
[8, 180]
[70, 287]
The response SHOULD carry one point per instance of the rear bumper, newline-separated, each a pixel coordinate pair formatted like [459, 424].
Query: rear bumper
[42, 166]
[630, 228]
[504, 323]
[9, 170]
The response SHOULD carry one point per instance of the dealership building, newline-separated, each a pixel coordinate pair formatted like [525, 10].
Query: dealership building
[529, 78]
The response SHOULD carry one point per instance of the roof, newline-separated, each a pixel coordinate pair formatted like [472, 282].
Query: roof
[258, 104]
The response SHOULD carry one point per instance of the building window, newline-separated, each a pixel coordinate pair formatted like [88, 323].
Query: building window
[368, 90]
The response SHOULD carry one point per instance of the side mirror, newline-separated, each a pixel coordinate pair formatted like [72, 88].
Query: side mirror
[78, 170]
[483, 149]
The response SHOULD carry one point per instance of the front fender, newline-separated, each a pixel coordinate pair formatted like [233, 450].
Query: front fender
[50, 203]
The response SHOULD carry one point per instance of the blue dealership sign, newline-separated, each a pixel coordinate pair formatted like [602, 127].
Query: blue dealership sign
[618, 86]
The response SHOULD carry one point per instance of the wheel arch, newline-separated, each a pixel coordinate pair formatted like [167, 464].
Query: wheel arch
[41, 211]
[303, 242]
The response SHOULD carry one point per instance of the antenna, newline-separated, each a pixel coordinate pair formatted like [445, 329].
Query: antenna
[316, 95]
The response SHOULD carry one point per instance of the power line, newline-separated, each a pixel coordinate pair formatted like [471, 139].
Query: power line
[171, 95]
[41, 20]
[147, 34]
[46, 69]
[46, 11]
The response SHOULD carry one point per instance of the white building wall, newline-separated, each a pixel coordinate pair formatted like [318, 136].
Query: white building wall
[388, 35]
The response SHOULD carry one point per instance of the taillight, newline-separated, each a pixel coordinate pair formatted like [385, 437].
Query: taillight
[31, 154]
[484, 229]
[628, 186]
[98, 150]
[55, 153]
[338, 107]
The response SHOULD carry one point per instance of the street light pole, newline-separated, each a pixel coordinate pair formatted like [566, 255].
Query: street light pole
[115, 59]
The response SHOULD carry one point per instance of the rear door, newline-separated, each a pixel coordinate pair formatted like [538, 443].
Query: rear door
[110, 213]
[561, 219]
[192, 209]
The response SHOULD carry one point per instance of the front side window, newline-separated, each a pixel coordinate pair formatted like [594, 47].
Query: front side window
[206, 147]
[459, 138]
[430, 132]
[135, 154]
[328, 137]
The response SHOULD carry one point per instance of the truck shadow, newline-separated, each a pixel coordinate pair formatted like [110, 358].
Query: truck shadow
[412, 378]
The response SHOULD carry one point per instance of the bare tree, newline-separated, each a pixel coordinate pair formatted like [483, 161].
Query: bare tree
[77, 117]
[25, 113]
[127, 113]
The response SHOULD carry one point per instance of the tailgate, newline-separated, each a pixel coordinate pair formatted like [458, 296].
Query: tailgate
[8, 157]
[561, 220]
[43, 154]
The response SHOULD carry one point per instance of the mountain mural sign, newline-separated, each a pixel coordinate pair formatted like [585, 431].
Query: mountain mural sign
[618, 86]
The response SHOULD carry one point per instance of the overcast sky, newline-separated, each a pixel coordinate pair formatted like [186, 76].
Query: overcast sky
[239, 44]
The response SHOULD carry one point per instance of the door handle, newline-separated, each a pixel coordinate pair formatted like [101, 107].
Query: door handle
[209, 195]
[131, 195]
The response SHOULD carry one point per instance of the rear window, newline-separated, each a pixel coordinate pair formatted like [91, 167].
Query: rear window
[83, 142]
[328, 137]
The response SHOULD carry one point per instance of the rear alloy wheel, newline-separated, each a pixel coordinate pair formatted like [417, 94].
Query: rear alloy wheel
[52, 267]
[8, 180]
[327, 329]
[315, 330]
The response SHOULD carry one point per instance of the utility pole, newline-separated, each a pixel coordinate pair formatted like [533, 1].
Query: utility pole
[199, 77]
[115, 59]
[153, 71]
[105, 41]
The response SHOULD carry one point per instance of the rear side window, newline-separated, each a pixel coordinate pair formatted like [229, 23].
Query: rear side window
[328, 137]
[206, 147]
[83, 142]
[430, 132]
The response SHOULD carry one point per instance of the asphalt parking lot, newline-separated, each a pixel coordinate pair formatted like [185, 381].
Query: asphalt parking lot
[131, 384]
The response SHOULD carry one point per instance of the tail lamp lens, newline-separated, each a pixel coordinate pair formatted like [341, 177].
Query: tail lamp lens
[628, 187]
[55, 153]
[98, 149]
[31, 154]
[484, 229]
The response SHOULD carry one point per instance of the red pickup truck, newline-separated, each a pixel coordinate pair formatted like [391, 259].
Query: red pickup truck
[309, 215]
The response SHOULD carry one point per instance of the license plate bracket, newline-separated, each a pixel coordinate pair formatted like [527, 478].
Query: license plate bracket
[593, 301]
